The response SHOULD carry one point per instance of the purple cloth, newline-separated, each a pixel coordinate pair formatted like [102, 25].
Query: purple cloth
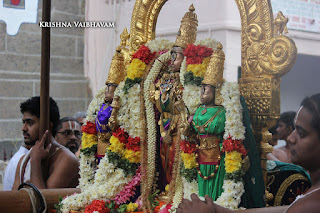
[103, 118]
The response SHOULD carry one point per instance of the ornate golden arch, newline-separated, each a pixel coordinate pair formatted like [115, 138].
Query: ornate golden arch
[266, 54]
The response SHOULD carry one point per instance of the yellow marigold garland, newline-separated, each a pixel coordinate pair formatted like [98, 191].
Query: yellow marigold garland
[116, 146]
[132, 156]
[136, 69]
[233, 161]
[199, 69]
[189, 160]
[88, 140]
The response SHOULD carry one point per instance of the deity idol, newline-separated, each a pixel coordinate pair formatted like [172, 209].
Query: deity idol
[209, 123]
[166, 94]
[219, 145]
[103, 127]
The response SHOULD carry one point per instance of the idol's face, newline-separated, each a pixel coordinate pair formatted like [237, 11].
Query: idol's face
[176, 60]
[207, 95]
[30, 128]
[304, 142]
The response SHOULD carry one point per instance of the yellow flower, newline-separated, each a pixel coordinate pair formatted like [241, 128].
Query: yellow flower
[116, 146]
[136, 69]
[233, 161]
[199, 69]
[131, 156]
[131, 207]
[167, 187]
[88, 140]
[189, 160]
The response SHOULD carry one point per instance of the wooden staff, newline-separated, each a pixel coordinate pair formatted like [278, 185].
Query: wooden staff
[45, 70]
[19, 201]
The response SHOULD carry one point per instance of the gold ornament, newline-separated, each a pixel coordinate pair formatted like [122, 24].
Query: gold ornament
[116, 71]
[119, 60]
[214, 73]
[187, 33]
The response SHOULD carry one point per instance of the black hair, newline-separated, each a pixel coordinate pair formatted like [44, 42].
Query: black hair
[32, 106]
[62, 120]
[312, 104]
[288, 118]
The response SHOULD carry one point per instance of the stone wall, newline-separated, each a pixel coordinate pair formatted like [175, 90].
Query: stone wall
[20, 70]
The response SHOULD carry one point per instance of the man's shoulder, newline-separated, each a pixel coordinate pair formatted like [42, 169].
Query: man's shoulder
[309, 203]
[65, 155]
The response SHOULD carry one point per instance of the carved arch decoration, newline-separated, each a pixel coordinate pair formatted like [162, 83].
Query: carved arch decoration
[266, 54]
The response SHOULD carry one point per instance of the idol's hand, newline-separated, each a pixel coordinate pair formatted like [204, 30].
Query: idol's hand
[185, 128]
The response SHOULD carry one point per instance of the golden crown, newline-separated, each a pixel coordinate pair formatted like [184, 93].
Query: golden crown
[187, 33]
[117, 68]
[214, 73]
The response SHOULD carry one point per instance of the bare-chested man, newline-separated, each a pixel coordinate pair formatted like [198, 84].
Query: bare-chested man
[285, 127]
[51, 167]
[304, 146]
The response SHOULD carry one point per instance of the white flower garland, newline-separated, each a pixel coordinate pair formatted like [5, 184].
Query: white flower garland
[191, 97]
[159, 44]
[231, 102]
[108, 183]
[208, 42]
[86, 172]
[183, 70]
[86, 162]
[129, 113]
[150, 116]
[233, 191]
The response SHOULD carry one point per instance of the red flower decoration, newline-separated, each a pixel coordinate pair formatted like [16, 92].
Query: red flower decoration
[121, 135]
[97, 205]
[89, 128]
[187, 147]
[133, 144]
[230, 145]
[144, 54]
[196, 54]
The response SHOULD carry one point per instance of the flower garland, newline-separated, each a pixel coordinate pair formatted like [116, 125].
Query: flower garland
[118, 172]
[124, 151]
[208, 42]
[193, 69]
[198, 58]
[101, 206]
[233, 185]
[89, 142]
[150, 117]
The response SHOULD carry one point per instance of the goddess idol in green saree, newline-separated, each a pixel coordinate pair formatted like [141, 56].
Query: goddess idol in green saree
[219, 157]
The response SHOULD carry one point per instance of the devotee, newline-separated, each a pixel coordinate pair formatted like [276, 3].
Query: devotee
[304, 146]
[53, 166]
[28, 135]
[274, 139]
[81, 117]
[10, 172]
[285, 127]
[69, 133]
